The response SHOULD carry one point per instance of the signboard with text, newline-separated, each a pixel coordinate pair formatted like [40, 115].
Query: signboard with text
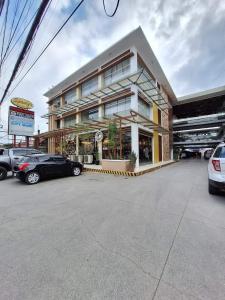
[21, 121]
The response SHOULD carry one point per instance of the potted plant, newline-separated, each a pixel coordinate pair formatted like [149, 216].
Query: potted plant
[96, 155]
[112, 140]
[114, 163]
[133, 158]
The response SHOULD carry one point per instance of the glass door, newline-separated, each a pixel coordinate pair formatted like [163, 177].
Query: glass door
[145, 148]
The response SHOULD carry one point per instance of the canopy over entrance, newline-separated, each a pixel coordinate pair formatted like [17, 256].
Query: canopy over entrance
[121, 119]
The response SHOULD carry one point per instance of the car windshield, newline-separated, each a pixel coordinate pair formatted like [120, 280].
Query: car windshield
[28, 159]
[220, 152]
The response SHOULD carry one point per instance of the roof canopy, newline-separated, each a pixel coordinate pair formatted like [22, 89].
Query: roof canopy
[123, 119]
[142, 79]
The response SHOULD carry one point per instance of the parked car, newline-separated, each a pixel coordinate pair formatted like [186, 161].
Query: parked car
[9, 158]
[33, 168]
[216, 170]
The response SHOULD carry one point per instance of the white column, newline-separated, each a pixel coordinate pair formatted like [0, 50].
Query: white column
[100, 81]
[135, 142]
[100, 115]
[62, 123]
[78, 117]
[134, 98]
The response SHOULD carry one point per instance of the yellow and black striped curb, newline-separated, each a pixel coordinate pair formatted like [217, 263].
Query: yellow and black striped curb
[127, 173]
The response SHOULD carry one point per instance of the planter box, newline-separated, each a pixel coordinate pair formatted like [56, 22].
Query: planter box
[116, 165]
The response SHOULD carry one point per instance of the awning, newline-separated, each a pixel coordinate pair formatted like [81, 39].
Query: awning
[142, 79]
[121, 119]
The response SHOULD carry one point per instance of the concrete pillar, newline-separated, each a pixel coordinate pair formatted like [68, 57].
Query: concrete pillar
[77, 144]
[62, 123]
[62, 102]
[100, 81]
[134, 98]
[100, 115]
[78, 120]
[78, 92]
[135, 142]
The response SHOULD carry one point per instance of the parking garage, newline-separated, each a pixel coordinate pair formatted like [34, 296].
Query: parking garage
[199, 121]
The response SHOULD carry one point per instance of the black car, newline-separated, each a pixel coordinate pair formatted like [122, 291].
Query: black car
[33, 168]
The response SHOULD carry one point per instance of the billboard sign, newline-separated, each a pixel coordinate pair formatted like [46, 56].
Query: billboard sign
[21, 121]
[22, 103]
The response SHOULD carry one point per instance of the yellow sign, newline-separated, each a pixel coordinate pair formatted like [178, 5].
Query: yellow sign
[22, 103]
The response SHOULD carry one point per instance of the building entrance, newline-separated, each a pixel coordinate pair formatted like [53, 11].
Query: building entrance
[145, 147]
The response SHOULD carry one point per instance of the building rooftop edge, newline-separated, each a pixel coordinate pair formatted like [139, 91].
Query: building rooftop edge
[206, 94]
[93, 63]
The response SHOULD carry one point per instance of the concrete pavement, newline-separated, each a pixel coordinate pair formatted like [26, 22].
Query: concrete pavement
[157, 236]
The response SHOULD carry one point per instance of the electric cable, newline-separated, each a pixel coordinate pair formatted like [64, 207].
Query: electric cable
[51, 40]
[1, 6]
[49, 43]
[14, 32]
[113, 14]
[27, 44]
[5, 24]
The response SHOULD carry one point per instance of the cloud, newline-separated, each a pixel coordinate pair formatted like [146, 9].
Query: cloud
[187, 37]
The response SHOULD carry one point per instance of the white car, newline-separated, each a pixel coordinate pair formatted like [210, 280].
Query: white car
[216, 170]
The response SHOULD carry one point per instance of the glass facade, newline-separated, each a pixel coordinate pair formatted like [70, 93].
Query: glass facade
[117, 106]
[69, 121]
[70, 96]
[91, 114]
[56, 102]
[144, 108]
[126, 145]
[116, 72]
[89, 86]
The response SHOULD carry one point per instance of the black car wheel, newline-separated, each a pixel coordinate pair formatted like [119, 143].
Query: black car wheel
[212, 190]
[32, 178]
[76, 171]
[3, 173]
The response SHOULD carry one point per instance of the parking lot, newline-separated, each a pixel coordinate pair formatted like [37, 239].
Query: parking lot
[98, 236]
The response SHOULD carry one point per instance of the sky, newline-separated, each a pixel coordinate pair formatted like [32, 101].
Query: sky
[187, 37]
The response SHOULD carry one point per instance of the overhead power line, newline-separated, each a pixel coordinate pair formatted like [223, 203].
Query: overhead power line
[49, 43]
[27, 44]
[55, 35]
[1, 6]
[113, 14]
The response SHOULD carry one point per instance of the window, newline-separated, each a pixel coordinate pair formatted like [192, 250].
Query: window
[220, 152]
[58, 158]
[69, 121]
[159, 117]
[70, 96]
[121, 105]
[143, 108]
[89, 86]
[32, 151]
[116, 72]
[29, 159]
[91, 114]
[19, 152]
[56, 103]
[45, 158]
[57, 124]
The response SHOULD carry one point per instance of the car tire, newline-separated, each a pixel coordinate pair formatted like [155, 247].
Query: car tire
[212, 190]
[3, 173]
[76, 171]
[32, 177]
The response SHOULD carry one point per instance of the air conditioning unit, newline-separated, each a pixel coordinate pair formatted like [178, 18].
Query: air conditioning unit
[88, 159]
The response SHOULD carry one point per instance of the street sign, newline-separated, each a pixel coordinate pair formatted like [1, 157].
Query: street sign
[22, 103]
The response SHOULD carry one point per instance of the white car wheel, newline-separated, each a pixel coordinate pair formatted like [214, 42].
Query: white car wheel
[76, 171]
[32, 178]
